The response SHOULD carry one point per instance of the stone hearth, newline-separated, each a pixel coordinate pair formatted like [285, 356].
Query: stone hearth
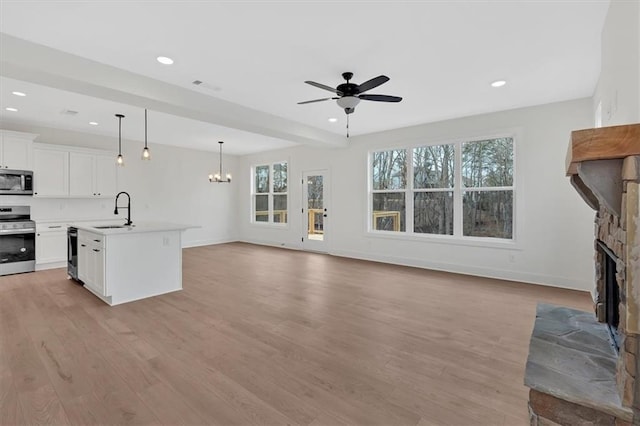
[571, 370]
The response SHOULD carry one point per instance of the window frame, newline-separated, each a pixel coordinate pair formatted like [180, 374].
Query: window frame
[270, 195]
[458, 191]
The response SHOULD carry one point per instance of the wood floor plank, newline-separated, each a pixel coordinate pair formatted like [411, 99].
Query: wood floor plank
[262, 335]
[10, 410]
[170, 406]
[42, 407]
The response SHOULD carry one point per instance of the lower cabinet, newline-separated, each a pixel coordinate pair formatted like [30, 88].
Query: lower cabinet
[91, 259]
[51, 243]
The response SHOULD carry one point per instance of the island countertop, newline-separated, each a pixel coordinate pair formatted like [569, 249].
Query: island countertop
[137, 227]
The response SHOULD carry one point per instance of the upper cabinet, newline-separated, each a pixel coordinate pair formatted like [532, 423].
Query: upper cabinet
[91, 175]
[15, 150]
[70, 172]
[50, 173]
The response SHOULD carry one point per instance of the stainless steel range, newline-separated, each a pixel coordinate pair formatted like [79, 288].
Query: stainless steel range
[17, 240]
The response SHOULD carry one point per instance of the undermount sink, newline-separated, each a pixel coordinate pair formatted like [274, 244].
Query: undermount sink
[112, 226]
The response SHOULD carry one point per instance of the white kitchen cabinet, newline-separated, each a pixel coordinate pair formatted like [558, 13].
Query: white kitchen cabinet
[125, 263]
[91, 260]
[16, 150]
[51, 243]
[71, 172]
[83, 257]
[51, 173]
[81, 171]
[91, 176]
[105, 178]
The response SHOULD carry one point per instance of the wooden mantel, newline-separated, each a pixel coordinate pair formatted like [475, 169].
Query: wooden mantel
[604, 143]
[599, 160]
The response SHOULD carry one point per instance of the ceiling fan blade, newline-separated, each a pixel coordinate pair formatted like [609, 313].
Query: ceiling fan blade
[315, 100]
[380, 98]
[325, 87]
[374, 82]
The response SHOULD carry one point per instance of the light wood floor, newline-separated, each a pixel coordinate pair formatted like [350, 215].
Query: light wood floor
[269, 336]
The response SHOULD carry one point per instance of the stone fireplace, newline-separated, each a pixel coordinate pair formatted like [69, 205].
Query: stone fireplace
[582, 367]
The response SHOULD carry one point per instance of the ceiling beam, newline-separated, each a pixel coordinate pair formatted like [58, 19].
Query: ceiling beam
[26, 61]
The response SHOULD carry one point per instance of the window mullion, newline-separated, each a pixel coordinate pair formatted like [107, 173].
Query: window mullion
[409, 215]
[270, 198]
[457, 191]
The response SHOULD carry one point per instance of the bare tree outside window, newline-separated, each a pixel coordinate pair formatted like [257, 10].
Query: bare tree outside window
[487, 172]
[389, 173]
[390, 169]
[433, 181]
[270, 195]
[280, 177]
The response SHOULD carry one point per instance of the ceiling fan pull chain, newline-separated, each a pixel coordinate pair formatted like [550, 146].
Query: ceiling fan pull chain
[347, 125]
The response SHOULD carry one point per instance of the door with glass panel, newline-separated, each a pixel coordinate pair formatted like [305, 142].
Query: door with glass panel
[315, 187]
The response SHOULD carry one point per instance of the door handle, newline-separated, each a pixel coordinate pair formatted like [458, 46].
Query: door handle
[324, 215]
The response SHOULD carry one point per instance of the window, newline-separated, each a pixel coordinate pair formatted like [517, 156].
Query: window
[269, 193]
[389, 188]
[461, 189]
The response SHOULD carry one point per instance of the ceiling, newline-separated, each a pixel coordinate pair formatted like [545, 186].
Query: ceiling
[254, 57]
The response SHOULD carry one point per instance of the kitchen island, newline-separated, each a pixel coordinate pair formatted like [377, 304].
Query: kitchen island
[121, 264]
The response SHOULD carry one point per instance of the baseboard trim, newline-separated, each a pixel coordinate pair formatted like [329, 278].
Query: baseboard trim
[200, 243]
[479, 271]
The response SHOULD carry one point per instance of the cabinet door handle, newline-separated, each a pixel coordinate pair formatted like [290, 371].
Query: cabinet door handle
[83, 245]
[97, 241]
[96, 250]
[38, 235]
[55, 226]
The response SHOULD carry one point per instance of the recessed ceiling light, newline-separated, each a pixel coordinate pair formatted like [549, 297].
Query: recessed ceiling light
[19, 93]
[498, 83]
[333, 120]
[11, 109]
[164, 60]
[93, 123]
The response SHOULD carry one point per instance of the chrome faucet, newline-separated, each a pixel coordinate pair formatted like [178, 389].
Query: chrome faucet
[115, 211]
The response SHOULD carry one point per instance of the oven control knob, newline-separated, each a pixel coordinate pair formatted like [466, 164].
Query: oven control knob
[22, 250]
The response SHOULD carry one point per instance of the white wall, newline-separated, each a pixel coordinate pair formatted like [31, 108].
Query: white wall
[555, 245]
[618, 88]
[172, 187]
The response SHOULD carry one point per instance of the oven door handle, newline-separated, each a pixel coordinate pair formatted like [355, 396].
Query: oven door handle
[17, 231]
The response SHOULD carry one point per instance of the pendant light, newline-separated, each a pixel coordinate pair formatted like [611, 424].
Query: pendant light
[218, 176]
[146, 155]
[120, 159]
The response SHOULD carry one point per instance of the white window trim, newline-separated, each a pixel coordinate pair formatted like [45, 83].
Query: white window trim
[515, 243]
[252, 214]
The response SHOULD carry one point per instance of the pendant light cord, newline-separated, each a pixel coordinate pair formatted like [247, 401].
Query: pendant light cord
[120, 135]
[220, 168]
[145, 128]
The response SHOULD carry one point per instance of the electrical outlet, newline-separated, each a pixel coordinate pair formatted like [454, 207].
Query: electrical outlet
[166, 241]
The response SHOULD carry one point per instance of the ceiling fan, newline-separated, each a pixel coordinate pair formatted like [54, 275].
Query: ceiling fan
[350, 94]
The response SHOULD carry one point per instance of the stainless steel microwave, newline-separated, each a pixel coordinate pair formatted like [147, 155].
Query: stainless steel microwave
[16, 182]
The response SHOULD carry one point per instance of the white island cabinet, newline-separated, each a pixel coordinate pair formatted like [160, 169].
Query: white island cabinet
[126, 263]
